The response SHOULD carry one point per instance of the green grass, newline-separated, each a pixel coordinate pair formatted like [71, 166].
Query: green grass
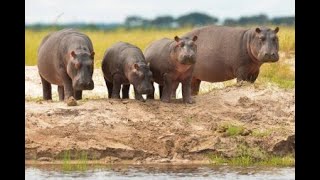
[234, 130]
[273, 161]
[249, 156]
[261, 133]
[231, 129]
[277, 73]
[81, 158]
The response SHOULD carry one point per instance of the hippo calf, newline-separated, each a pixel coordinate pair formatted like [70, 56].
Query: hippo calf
[172, 62]
[65, 58]
[225, 53]
[125, 64]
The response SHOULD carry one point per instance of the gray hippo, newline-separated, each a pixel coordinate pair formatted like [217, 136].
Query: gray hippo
[225, 53]
[171, 62]
[65, 58]
[124, 64]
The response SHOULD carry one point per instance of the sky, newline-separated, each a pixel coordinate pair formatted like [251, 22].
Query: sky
[115, 11]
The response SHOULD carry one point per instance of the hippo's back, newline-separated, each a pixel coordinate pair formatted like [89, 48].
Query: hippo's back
[219, 52]
[158, 50]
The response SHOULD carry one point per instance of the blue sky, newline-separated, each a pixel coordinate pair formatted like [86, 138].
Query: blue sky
[115, 11]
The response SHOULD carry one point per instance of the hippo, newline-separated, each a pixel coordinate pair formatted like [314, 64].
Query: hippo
[65, 58]
[124, 64]
[171, 62]
[225, 53]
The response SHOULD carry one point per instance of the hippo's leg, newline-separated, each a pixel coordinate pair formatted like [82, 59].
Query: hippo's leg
[116, 86]
[46, 88]
[151, 96]
[78, 95]
[160, 90]
[167, 89]
[67, 88]
[125, 91]
[61, 93]
[174, 89]
[138, 96]
[186, 91]
[195, 86]
[252, 77]
[110, 87]
[242, 74]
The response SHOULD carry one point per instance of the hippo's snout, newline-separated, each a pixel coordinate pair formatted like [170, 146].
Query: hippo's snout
[270, 57]
[84, 85]
[146, 91]
[188, 59]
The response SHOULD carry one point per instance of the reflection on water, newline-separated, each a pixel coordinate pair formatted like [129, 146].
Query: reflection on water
[161, 172]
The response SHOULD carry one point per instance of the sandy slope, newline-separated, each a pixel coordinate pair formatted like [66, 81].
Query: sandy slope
[156, 132]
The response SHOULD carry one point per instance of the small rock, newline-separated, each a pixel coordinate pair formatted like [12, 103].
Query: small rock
[164, 160]
[45, 159]
[71, 101]
[245, 132]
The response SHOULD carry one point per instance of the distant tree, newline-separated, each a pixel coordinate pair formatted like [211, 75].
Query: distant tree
[258, 19]
[134, 21]
[230, 22]
[164, 21]
[196, 19]
[283, 20]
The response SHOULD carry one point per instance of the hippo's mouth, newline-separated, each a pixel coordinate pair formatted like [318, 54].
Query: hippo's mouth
[271, 60]
[83, 86]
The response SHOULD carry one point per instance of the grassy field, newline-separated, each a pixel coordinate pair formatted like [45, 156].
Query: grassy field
[279, 73]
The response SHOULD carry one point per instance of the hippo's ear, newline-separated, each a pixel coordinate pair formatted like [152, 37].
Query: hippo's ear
[92, 55]
[276, 30]
[258, 30]
[73, 54]
[176, 38]
[136, 66]
[194, 38]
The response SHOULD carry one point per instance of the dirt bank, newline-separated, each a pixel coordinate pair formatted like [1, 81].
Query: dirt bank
[221, 122]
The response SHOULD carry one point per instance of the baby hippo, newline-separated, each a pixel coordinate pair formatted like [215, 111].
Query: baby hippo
[172, 62]
[124, 64]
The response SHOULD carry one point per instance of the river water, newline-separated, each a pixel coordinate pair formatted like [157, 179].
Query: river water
[161, 172]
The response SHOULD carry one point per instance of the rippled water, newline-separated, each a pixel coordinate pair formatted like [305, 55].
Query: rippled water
[162, 172]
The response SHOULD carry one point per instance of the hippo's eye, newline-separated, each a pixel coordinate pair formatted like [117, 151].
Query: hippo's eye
[182, 44]
[274, 39]
[262, 38]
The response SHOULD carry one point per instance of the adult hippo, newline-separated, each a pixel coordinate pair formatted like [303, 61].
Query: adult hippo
[65, 58]
[225, 53]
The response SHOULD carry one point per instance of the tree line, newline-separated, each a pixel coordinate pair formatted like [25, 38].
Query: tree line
[190, 19]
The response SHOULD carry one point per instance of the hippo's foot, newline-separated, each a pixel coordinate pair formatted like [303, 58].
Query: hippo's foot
[115, 96]
[188, 101]
[165, 100]
[71, 101]
[243, 83]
